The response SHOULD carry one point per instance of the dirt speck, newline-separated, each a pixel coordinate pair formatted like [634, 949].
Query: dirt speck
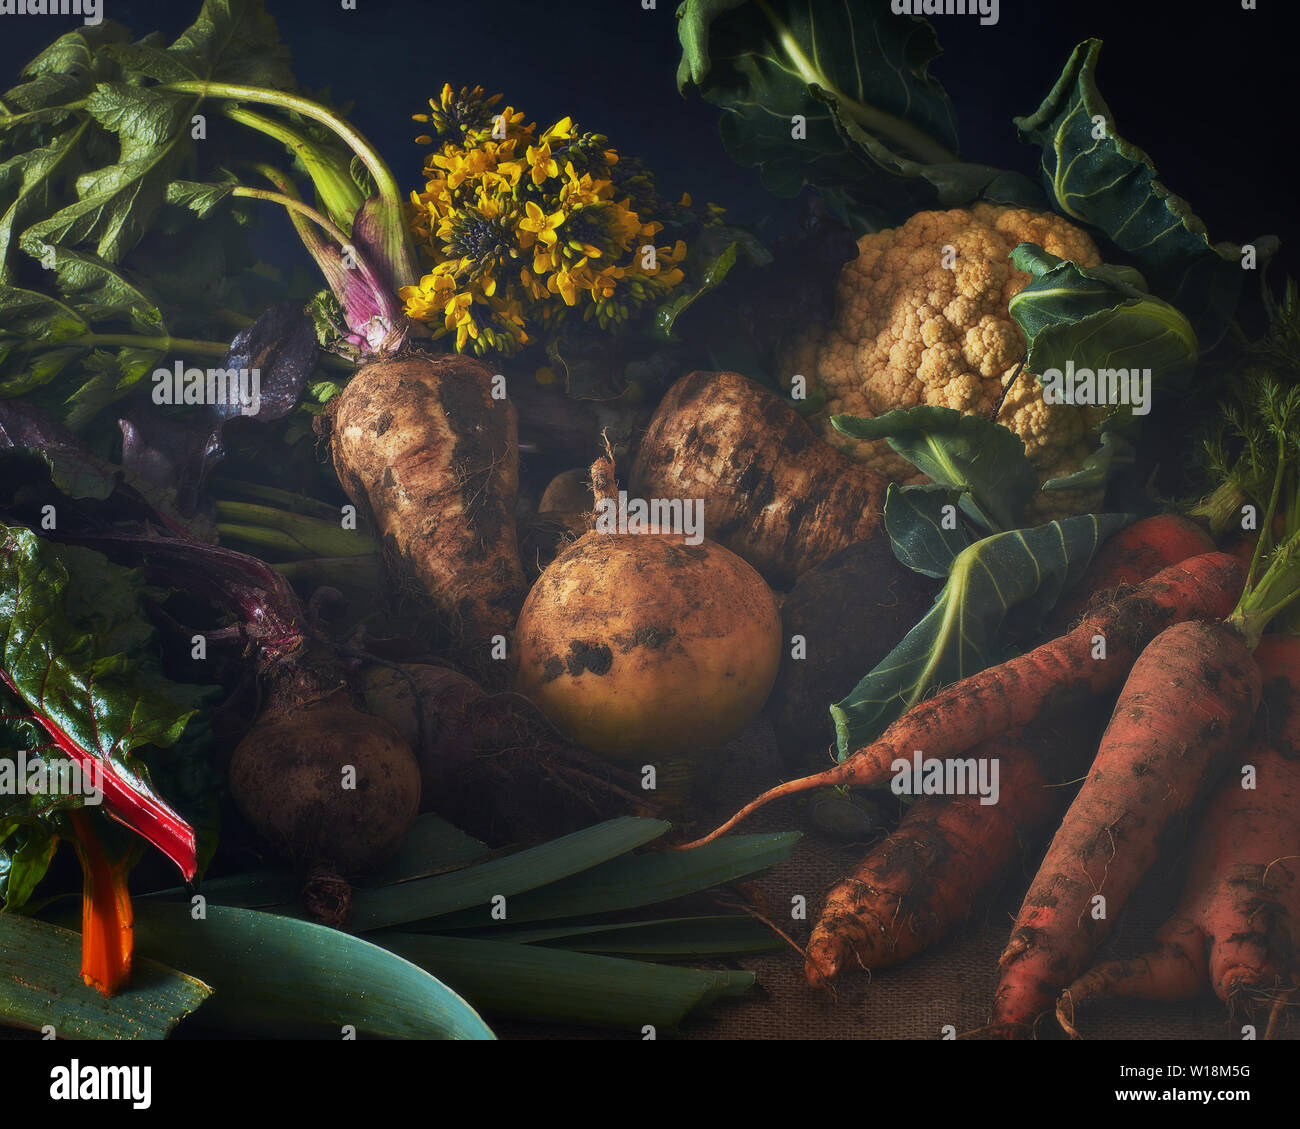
[595, 657]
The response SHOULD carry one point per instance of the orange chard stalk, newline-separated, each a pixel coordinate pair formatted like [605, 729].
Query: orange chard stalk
[107, 938]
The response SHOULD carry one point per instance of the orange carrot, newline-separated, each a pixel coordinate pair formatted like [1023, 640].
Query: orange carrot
[1238, 924]
[1016, 692]
[1131, 556]
[1181, 717]
[926, 876]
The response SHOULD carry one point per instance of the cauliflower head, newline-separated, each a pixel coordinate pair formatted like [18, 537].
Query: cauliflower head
[921, 318]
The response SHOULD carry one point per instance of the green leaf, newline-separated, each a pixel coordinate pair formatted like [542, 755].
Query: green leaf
[708, 261]
[982, 459]
[634, 881]
[1098, 318]
[98, 292]
[509, 876]
[529, 982]
[1111, 184]
[117, 203]
[76, 654]
[42, 174]
[923, 532]
[197, 197]
[1116, 453]
[433, 846]
[230, 41]
[40, 983]
[276, 976]
[26, 851]
[881, 138]
[1025, 569]
[1099, 326]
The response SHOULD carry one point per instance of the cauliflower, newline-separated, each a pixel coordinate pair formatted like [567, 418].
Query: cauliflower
[915, 325]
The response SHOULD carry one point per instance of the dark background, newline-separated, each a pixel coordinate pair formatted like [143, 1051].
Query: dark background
[1209, 90]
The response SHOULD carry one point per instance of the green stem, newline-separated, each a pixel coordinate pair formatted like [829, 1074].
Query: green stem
[292, 204]
[360, 572]
[1263, 543]
[136, 341]
[296, 533]
[386, 186]
[281, 499]
[336, 190]
[8, 120]
[169, 345]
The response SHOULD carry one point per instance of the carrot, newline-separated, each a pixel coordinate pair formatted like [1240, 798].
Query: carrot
[1238, 924]
[1131, 556]
[1181, 716]
[947, 852]
[1016, 692]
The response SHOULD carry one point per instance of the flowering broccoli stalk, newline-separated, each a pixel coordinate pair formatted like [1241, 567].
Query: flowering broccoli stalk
[527, 231]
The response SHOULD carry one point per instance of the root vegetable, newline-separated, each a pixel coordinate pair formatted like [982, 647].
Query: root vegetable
[1016, 692]
[1132, 555]
[327, 785]
[491, 764]
[775, 493]
[637, 644]
[424, 449]
[948, 852]
[1181, 717]
[567, 492]
[1237, 927]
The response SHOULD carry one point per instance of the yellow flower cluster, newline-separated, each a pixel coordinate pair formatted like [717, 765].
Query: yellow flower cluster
[521, 230]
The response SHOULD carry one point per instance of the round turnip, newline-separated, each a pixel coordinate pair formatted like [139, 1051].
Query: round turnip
[640, 643]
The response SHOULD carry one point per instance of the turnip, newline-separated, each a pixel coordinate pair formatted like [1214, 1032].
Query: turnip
[642, 644]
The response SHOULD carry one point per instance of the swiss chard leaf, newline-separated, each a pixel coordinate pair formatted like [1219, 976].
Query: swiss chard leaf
[77, 660]
[73, 468]
[1026, 570]
[881, 134]
[1095, 176]
[982, 459]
